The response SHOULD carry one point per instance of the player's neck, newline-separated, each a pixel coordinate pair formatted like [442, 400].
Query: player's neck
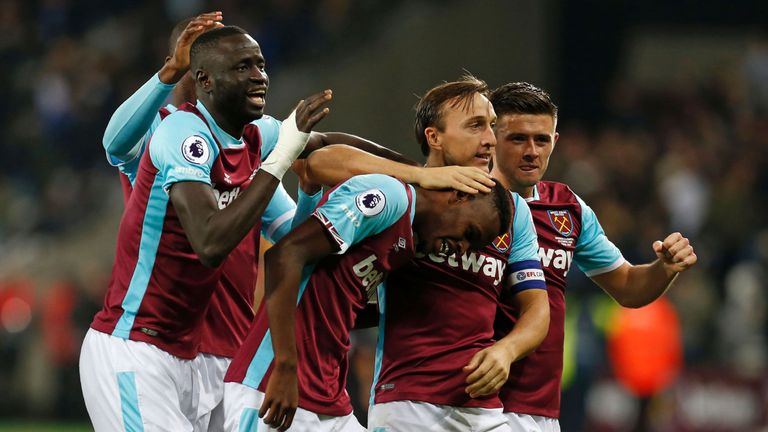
[523, 191]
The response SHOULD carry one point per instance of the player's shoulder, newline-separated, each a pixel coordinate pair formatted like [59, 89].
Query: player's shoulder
[181, 123]
[555, 192]
[373, 192]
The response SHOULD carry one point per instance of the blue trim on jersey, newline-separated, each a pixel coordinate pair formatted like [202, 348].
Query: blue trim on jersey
[594, 253]
[277, 217]
[266, 353]
[413, 202]
[525, 242]
[269, 129]
[249, 420]
[226, 140]
[382, 293]
[129, 402]
[524, 275]
[151, 230]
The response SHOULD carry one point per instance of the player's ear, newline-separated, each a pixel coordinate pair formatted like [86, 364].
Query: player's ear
[167, 59]
[203, 80]
[459, 197]
[433, 138]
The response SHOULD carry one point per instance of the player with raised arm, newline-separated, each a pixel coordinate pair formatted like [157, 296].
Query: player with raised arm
[436, 330]
[137, 362]
[568, 232]
[364, 229]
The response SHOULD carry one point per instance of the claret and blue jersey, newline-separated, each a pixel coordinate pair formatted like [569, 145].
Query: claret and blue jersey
[159, 289]
[370, 220]
[437, 312]
[230, 311]
[568, 232]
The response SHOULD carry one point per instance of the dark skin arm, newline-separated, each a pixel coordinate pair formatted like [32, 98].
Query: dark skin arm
[214, 233]
[319, 140]
[307, 243]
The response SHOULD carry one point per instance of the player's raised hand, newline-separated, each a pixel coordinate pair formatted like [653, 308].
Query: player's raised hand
[195, 28]
[311, 110]
[675, 253]
[281, 398]
[465, 179]
[488, 370]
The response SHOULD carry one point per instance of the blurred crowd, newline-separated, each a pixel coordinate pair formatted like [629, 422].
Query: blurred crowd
[689, 158]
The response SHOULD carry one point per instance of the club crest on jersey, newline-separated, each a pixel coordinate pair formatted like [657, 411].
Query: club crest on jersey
[562, 222]
[195, 149]
[501, 243]
[371, 202]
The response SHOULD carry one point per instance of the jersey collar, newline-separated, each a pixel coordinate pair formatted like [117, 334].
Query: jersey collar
[226, 140]
[535, 196]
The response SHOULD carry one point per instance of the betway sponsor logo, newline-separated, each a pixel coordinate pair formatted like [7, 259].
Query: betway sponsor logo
[370, 277]
[557, 258]
[474, 262]
[225, 198]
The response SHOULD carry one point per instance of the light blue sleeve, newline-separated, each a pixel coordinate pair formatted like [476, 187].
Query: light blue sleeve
[523, 265]
[182, 149]
[269, 128]
[277, 217]
[305, 206]
[361, 207]
[594, 253]
[525, 244]
[131, 124]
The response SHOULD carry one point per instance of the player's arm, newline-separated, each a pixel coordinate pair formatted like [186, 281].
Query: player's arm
[338, 224]
[212, 232]
[132, 120]
[489, 368]
[320, 140]
[630, 285]
[635, 286]
[306, 244]
[333, 164]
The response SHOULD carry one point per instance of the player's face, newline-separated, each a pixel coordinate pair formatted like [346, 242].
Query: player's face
[467, 137]
[239, 78]
[525, 142]
[466, 224]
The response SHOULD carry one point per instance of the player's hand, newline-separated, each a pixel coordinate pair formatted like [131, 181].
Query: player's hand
[311, 110]
[179, 63]
[488, 370]
[675, 253]
[281, 399]
[465, 179]
[306, 184]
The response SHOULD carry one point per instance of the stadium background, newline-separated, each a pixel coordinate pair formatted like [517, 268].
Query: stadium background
[663, 123]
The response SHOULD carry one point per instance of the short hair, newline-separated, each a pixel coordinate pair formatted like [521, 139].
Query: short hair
[429, 109]
[522, 98]
[175, 33]
[503, 203]
[208, 40]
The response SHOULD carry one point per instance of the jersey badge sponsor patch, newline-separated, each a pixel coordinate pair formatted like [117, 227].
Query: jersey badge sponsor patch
[501, 243]
[371, 202]
[561, 220]
[195, 149]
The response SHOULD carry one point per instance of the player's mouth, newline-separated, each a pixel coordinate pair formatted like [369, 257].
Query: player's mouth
[257, 97]
[528, 168]
[483, 158]
[445, 248]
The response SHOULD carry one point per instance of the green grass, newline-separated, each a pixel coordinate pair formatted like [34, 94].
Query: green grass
[44, 427]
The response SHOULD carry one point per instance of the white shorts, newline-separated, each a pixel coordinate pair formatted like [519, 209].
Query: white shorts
[408, 416]
[241, 413]
[135, 386]
[210, 411]
[532, 423]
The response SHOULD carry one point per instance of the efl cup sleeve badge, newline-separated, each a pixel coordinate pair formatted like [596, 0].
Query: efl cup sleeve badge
[562, 222]
[371, 202]
[502, 242]
[195, 149]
